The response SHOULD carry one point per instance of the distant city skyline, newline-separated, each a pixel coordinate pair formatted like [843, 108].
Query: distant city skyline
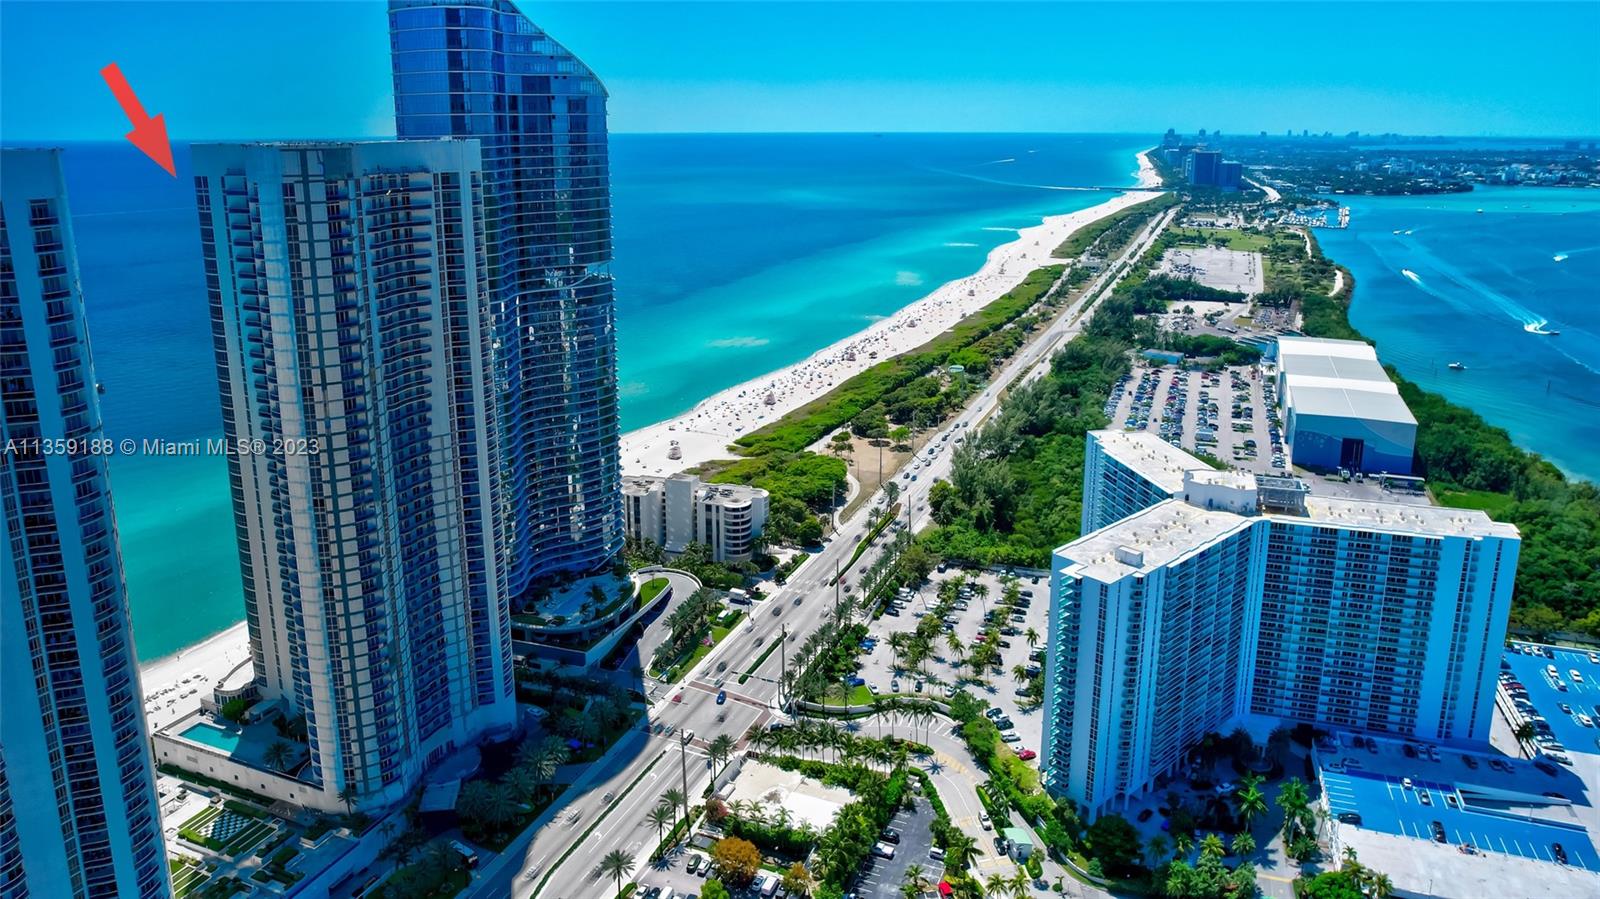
[762, 67]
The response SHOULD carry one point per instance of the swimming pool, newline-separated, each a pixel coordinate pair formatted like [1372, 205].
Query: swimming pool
[213, 736]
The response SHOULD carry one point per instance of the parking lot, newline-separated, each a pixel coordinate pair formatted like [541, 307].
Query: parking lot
[883, 878]
[1403, 788]
[1229, 414]
[945, 669]
[1562, 703]
[672, 873]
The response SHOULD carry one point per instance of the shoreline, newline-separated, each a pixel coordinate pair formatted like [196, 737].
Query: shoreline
[703, 432]
[730, 413]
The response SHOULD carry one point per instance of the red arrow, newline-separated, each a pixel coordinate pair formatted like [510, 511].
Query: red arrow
[149, 133]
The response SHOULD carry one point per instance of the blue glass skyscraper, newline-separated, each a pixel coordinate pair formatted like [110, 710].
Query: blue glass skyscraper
[480, 69]
[78, 812]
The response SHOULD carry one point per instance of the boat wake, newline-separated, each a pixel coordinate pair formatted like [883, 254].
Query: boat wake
[1538, 327]
[1559, 257]
[959, 243]
[1411, 275]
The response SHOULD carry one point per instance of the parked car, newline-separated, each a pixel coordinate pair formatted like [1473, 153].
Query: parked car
[1438, 831]
[1027, 755]
[890, 835]
[1560, 853]
[1350, 818]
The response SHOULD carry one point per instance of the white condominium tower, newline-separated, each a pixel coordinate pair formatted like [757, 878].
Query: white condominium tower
[1242, 595]
[354, 350]
[78, 812]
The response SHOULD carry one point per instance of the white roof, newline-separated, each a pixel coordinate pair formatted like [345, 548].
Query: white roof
[1403, 518]
[1344, 400]
[1159, 535]
[1146, 454]
[1339, 379]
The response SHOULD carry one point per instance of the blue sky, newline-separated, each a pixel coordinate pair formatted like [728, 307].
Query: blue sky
[320, 69]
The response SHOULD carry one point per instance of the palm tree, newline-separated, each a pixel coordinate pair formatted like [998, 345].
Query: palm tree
[1252, 801]
[720, 750]
[348, 794]
[1382, 886]
[1018, 883]
[278, 754]
[959, 849]
[522, 782]
[958, 648]
[1157, 849]
[1032, 636]
[1019, 673]
[662, 816]
[1243, 844]
[996, 884]
[675, 798]
[1524, 732]
[1183, 842]
[618, 864]
[1212, 846]
[915, 884]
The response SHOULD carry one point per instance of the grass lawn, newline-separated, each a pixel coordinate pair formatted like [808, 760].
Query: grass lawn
[198, 831]
[187, 876]
[857, 696]
[1236, 240]
[1487, 501]
[722, 628]
[651, 589]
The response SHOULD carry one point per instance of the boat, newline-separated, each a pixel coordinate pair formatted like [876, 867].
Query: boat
[1456, 366]
[1480, 212]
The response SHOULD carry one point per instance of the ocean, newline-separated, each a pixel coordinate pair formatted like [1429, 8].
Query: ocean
[735, 255]
[1438, 281]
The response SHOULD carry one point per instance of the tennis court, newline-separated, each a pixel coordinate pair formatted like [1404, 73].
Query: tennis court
[1387, 806]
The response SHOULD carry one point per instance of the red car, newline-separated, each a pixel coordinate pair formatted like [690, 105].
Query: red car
[1027, 755]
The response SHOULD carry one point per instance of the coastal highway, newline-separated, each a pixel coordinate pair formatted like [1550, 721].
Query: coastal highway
[606, 809]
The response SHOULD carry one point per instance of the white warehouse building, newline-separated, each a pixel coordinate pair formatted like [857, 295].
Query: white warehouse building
[681, 509]
[1340, 409]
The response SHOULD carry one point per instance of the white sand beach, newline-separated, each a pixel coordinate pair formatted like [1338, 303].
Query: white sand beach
[1148, 176]
[704, 432]
[197, 668]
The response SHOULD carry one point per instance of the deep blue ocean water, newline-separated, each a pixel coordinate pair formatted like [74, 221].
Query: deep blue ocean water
[1439, 282]
[735, 255]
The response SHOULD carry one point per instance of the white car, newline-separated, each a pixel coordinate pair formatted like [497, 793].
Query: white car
[1585, 720]
[1577, 676]
[984, 822]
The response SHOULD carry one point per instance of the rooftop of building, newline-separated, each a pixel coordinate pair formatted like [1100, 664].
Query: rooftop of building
[1147, 540]
[1170, 530]
[1148, 455]
[1338, 378]
[1403, 518]
[643, 485]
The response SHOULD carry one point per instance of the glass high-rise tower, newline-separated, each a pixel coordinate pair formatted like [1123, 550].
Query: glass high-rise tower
[78, 810]
[353, 349]
[480, 69]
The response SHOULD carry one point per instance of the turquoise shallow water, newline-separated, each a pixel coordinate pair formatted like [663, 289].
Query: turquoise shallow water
[1457, 285]
[735, 255]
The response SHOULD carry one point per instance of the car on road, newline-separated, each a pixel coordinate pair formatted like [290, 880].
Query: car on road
[1145, 815]
[984, 822]
[722, 696]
